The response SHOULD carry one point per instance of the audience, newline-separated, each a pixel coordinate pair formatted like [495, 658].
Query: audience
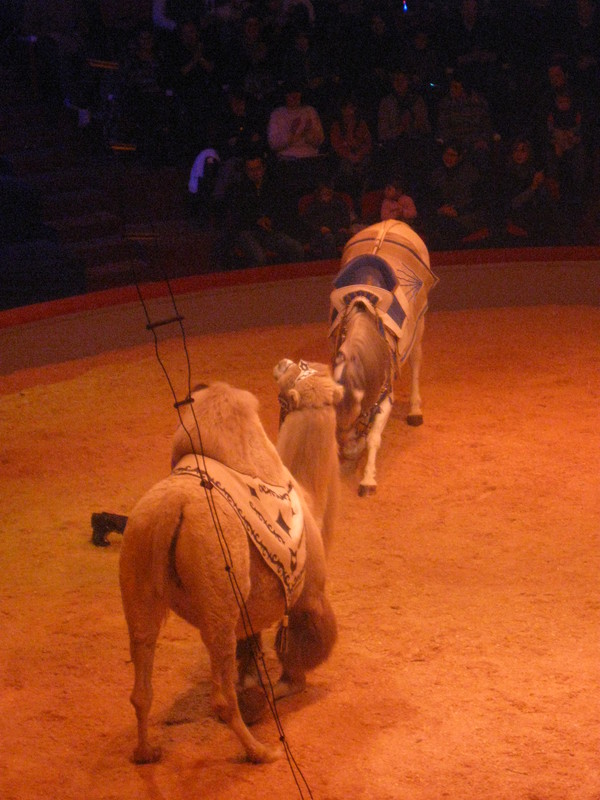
[258, 84]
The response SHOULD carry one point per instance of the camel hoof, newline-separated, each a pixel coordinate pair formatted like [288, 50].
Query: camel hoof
[285, 688]
[146, 755]
[415, 420]
[265, 755]
[365, 490]
[252, 703]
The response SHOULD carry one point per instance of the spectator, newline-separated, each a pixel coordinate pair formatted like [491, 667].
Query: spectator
[352, 147]
[424, 65]
[191, 71]
[528, 198]
[464, 117]
[455, 200]
[238, 131]
[403, 129]
[254, 222]
[295, 135]
[328, 221]
[396, 204]
[303, 65]
[567, 158]
[472, 45]
[144, 110]
[583, 42]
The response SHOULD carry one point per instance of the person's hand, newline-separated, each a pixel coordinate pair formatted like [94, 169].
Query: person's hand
[538, 179]
[448, 211]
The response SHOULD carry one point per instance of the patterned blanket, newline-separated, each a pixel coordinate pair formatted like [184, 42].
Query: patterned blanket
[386, 267]
[272, 517]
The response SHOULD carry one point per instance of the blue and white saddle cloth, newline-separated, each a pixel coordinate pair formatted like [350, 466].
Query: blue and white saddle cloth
[385, 267]
[271, 515]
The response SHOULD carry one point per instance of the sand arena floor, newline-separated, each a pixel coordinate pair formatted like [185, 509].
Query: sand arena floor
[467, 590]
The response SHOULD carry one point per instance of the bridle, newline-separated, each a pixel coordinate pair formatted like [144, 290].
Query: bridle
[284, 404]
[364, 422]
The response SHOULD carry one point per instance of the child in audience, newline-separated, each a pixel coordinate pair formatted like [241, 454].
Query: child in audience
[396, 204]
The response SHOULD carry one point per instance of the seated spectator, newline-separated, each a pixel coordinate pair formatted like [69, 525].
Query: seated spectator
[238, 131]
[294, 130]
[567, 157]
[455, 200]
[396, 204]
[259, 80]
[424, 65]
[472, 44]
[528, 198]
[352, 146]
[295, 135]
[253, 219]
[404, 130]
[464, 117]
[303, 64]
[327, 220]
[143, 107]
[583, 40]
[191, 72]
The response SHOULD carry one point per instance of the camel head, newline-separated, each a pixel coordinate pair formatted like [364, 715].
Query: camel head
[306, 384]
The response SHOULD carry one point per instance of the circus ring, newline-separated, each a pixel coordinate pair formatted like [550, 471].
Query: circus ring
[466, 590]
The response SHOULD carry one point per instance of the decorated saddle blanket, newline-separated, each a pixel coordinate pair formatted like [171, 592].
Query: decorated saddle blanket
[271, 515]
[386, 267]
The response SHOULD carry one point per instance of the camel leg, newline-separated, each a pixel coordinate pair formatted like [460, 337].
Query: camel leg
[224, 698]
[368, 484]
[142, 654]
[415, 413]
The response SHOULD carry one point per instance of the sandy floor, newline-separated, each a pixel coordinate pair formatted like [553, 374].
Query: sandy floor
[467, 590]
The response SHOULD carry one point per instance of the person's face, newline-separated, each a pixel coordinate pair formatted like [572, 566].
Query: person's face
[521, 152]
[400, 83]
[556, 76]
[378, 26]
[326, 194]
[450, 157]
[238, 106]
[255, 169]
[563, 102]
[293, 99]
[349, 111]
[252, 29]
[457, 90]
[390, 192]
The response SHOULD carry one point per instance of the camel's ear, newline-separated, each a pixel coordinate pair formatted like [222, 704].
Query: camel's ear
[294, 397]
[338, 393]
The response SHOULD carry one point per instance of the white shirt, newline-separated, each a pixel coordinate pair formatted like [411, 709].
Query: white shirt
[295, 133]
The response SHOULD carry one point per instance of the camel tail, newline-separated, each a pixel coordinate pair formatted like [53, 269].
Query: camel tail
[148, 564]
